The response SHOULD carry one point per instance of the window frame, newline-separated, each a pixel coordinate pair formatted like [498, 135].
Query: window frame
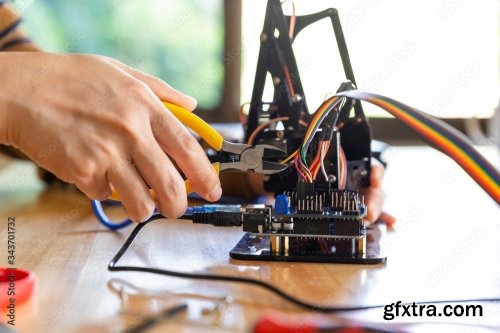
[392, 131]
[227, 110]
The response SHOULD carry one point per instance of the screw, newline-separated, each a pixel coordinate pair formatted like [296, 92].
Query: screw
[296, 98]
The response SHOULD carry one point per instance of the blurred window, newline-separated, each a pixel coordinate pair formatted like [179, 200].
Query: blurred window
[440, 56]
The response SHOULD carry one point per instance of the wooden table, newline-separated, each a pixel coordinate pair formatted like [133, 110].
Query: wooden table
[446, 246]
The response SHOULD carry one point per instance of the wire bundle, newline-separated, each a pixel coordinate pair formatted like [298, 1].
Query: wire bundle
[441, 136]
[308, 172]
[434, 131]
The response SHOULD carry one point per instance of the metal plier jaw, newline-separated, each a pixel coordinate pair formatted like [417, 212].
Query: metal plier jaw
[248, 158]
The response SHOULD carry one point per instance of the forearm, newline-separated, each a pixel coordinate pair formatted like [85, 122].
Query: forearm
[5, 106]
[7, 96]
[12, 38]
[3, 118]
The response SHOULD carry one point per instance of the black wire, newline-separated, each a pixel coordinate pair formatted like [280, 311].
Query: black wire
[228, 278]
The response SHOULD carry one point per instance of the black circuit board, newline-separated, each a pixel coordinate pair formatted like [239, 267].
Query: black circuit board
[310, 249]
[313, 210]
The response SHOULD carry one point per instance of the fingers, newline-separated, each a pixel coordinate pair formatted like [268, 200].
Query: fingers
[87, 175]
[170, 137]
[373, 200]
[174, 139]
[374, 197]
[374, 194]
[178, 143]
[136, 199]
[161, 175]
[97, 189]
[388, 219]
[377, 173]
[161, 89]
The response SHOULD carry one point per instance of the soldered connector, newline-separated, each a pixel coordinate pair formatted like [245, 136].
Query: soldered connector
[218, 218]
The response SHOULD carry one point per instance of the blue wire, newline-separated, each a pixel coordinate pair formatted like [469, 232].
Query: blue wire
[104, 219]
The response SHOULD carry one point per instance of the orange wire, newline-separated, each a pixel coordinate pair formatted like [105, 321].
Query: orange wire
[243, 117]
[293, 18]
[262, 126]
[267, 123]
[316, 164]
[343, 174]
[289, 80]
[460, 156]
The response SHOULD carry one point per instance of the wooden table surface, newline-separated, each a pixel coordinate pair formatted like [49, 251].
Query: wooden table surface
[446, 246]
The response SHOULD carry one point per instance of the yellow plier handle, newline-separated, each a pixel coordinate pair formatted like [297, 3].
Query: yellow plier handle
[189, 119]
[204, 130]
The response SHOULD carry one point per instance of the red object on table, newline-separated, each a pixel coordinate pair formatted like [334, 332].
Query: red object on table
[275, 324]
[15, 284]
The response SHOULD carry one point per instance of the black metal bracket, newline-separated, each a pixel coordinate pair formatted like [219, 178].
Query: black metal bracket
[277, 59]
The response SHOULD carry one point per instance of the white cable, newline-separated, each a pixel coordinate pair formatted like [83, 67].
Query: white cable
[322, 156]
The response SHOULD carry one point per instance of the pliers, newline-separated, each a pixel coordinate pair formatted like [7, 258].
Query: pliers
[232, 156]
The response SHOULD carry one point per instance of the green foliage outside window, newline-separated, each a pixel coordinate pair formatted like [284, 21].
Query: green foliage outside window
[178, 41]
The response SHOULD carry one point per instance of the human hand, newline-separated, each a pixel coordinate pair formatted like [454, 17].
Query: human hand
[374, 196]
[97, 123]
